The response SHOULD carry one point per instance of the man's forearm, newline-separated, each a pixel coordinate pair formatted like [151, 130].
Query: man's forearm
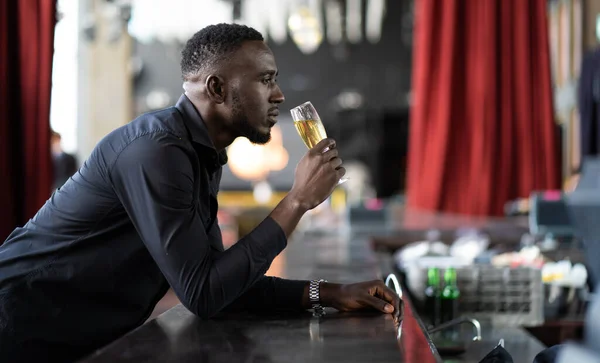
[288, 213]
[272, 294]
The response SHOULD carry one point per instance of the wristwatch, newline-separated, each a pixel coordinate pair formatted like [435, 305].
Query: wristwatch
[314, 295]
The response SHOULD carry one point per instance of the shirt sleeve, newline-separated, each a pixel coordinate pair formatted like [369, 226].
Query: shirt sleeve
[154, 179]
[268, 294]
[271, 294]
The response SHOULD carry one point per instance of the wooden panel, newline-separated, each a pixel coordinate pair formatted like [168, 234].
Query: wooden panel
[565, 22]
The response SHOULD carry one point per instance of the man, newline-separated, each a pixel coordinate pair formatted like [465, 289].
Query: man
[140, 216]
[65, 164]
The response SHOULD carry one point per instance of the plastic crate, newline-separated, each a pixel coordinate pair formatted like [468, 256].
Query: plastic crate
[507, 296]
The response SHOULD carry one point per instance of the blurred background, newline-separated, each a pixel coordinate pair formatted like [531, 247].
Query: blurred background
[448, 114]
[355, 79]
[106, 62]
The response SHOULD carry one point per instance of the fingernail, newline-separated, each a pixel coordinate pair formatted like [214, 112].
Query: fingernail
[389, 308]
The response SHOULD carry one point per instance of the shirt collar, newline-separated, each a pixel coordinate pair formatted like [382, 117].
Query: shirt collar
[196, 126]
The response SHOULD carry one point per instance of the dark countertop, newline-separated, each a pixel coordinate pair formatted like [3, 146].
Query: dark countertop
[179, 336]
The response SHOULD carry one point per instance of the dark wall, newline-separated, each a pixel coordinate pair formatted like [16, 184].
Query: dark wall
[379, 72]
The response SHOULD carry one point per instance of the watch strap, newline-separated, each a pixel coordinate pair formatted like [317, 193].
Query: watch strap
[314, 295]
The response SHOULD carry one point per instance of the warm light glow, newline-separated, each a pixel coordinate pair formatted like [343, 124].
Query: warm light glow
[253, 162]
[276, 153]
[262, 192]
[246, 160]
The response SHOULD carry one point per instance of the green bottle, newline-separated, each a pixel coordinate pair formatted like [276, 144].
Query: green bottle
[450, 295]
[432, 296]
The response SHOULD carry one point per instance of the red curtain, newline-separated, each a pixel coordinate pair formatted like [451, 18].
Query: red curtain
[482, 129]
[26, 49]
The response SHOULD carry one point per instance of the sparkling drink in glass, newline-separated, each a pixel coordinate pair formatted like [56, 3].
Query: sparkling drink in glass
[309, 126]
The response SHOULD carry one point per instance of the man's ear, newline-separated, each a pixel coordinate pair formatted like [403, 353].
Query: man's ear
[215, 87]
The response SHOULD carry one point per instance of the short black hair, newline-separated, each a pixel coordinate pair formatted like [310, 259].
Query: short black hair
[213, 44]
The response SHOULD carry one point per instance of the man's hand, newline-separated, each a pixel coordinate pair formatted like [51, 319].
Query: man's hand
[363, 295]
[317, 174]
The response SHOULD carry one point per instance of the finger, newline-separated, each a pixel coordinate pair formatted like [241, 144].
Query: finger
[335, 163]
[327, 143]
[379, 304]
[330, 154]
[341, 171]
[390, 296]
[385, 292]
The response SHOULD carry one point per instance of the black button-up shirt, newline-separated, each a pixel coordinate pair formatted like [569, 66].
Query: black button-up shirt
[140, 215]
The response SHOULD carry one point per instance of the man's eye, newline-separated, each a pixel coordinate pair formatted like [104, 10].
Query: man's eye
[269, 80]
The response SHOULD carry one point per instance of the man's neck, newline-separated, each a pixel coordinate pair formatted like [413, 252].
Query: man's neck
[220, 136]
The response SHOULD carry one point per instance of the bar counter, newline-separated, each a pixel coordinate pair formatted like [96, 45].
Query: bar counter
[179, 336]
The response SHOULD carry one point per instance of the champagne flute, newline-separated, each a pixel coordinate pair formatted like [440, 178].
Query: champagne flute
[309, 126]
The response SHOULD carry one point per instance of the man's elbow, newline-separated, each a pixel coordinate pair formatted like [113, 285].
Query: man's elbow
[206, 314]
[203, 311]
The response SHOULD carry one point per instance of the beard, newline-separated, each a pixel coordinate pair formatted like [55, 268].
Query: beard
[241, 123]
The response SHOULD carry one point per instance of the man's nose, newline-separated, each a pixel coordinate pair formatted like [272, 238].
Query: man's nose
[277, 95]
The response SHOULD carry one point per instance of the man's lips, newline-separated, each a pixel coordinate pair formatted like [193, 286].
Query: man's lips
[274, 112]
